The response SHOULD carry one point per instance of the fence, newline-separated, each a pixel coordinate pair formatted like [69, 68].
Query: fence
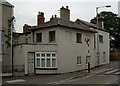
[114, 56]
[16, 68]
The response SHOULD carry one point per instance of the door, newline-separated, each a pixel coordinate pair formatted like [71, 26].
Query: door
[30, 63]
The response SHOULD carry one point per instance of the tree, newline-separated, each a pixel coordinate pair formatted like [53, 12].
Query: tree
[112, 24]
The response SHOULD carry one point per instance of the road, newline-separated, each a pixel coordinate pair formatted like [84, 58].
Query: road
[100, 79]
[102, 76]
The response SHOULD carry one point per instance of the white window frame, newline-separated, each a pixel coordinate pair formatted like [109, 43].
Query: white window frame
[45, 59]
[79, 60]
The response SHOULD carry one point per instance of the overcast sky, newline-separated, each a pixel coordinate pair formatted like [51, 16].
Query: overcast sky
[25, 11]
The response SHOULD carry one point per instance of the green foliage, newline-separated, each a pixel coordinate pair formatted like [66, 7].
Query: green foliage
[8, 36]
[112, 24]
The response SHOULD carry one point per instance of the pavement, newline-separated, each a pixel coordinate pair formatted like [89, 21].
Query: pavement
[54, 79]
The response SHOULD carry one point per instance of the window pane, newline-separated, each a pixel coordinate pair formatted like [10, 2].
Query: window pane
[51, 36]
[78, 37]
[38, 55]
[42, 55]
[78, 60]
[38, 62]
[53, 62]
[53, 55]
[100, 38]
[43, 62]
[38, 37]
[48, 62]
[48, 55]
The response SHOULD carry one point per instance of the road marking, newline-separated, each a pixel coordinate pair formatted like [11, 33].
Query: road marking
[88, 76]
[111, 71]
[62, 81]
[14, 81]
[117, 72]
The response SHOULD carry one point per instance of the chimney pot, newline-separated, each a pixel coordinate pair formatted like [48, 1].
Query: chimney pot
[40, 18]
[67, 7]
[62, 6]
[55, 16]
[39, 13]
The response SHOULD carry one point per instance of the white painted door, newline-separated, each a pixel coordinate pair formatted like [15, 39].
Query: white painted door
[30, 63]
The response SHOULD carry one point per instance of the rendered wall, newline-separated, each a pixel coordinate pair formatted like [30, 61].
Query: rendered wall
[6, 15]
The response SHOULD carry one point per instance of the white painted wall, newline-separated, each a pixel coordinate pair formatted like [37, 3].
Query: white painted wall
[68, 50]
[104, 47]
[6, 15]
[21, 52]
[66, 47]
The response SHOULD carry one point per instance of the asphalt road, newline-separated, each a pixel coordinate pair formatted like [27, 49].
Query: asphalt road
[96, 77]
[93, 79]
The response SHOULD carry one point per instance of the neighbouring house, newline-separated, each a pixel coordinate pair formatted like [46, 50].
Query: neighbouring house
[6, 13]
[58, 46]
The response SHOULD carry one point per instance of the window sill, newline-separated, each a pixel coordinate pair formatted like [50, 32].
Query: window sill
[52, 42]
[79, 64]
[46, 68]
[79, 42]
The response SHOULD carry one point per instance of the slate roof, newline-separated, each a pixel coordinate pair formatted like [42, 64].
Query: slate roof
[64, 23]
[91, 25]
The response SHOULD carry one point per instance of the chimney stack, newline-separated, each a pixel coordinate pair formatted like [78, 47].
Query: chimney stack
[101, 22]
[40, 18]
[65, 13]
[26, 28]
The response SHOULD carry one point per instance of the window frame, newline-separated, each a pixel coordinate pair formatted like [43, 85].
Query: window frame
[50, 57]
[77, 40]
[79, 61]
[38, 40]
[50, 36]
[100, 38]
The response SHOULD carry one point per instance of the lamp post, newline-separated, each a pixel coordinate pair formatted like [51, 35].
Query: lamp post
[98, 54]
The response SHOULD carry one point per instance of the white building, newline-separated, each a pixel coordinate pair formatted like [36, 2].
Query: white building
[6, 13]
[58, 46]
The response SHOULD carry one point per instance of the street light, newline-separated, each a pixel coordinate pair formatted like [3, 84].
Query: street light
[98, 54]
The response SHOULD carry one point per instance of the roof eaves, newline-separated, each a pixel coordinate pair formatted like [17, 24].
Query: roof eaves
[93, 25]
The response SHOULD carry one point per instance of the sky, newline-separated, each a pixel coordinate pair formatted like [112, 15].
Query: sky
[25, 11]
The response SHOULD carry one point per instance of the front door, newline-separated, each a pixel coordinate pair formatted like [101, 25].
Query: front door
[30, 63]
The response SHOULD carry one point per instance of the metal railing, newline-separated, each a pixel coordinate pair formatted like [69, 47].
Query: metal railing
[16, 68]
